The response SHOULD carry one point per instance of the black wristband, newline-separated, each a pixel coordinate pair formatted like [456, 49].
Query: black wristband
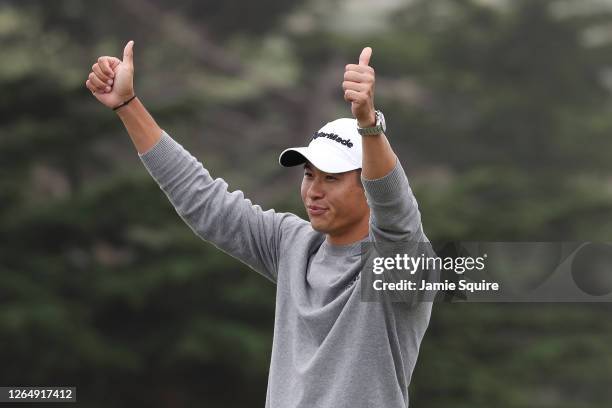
[124, 103]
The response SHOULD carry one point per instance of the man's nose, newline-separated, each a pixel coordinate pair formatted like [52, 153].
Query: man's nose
[315, 190]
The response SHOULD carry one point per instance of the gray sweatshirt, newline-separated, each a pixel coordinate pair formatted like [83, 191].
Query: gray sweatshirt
[330, 349]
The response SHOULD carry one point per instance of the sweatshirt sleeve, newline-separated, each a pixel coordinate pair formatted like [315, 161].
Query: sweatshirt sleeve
[226, 219]
[394, 212]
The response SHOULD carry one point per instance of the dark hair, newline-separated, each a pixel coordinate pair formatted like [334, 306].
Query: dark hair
[358, 172]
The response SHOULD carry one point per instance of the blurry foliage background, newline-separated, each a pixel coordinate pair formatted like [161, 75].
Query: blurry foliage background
[499, 110]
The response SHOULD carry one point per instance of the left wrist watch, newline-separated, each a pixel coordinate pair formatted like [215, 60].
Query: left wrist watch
[379, 127]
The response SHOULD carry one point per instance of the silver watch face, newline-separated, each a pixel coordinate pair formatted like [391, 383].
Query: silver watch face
[380, 121]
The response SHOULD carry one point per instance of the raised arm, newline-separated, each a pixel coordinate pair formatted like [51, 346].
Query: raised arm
[378, 156]
[227, 219]
[394, 211]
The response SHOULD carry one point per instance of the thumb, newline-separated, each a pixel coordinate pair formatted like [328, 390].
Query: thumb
[128, 53]
[366, 54]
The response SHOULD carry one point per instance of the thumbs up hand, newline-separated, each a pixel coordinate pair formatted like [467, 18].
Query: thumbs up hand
[358, 89]
[111, 80]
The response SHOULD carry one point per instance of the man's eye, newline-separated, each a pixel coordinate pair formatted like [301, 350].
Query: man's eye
[307, 174]
[331, 178]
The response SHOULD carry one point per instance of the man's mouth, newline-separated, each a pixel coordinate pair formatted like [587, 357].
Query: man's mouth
[316, 210]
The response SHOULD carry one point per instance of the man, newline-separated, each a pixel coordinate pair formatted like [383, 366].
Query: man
[330, 348]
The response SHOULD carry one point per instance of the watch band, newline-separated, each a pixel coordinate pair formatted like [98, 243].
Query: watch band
[374, 130]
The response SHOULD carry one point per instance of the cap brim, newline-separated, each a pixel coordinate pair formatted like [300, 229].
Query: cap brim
[293, 156]
[299, 155]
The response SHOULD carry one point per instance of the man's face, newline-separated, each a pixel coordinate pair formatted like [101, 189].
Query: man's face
[335, 202]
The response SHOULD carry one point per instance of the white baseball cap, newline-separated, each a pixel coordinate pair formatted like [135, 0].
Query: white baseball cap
[335, 148]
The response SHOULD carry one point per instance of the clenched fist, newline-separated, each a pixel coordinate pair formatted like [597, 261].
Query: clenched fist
[111, 80]
[358, 89]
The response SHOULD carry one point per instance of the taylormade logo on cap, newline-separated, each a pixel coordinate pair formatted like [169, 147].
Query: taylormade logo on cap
[333, 136]
[335, 148]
